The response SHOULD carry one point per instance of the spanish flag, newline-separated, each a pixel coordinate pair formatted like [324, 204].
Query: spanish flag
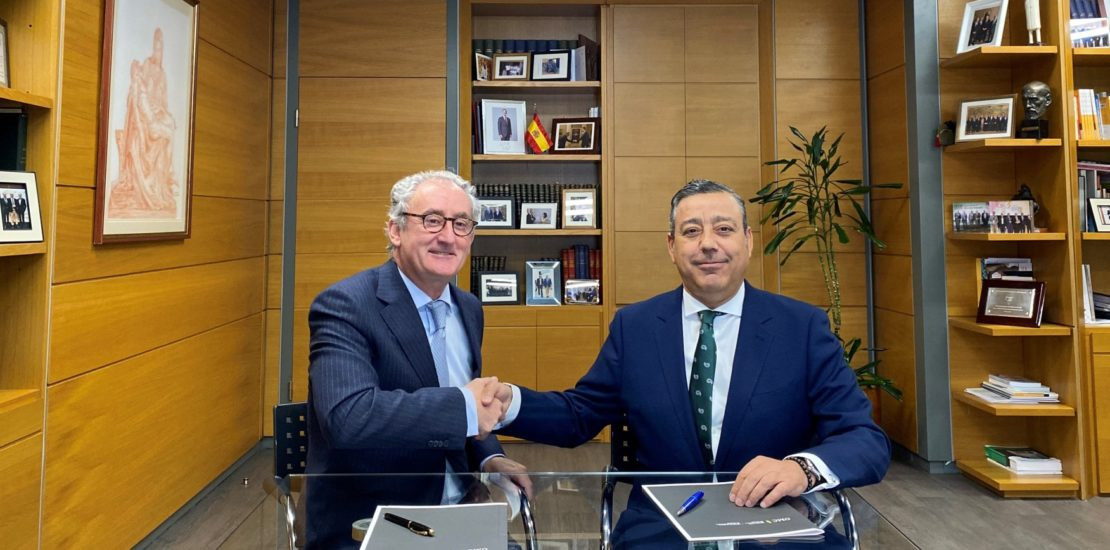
[537, 137]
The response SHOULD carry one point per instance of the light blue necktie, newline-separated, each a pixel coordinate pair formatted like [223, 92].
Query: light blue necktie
[439, 340]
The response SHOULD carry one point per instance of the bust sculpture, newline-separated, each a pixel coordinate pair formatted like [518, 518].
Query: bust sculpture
[1036, 96]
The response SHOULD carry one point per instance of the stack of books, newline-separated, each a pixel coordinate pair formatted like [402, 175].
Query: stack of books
[1001, 388]
[1023, 460]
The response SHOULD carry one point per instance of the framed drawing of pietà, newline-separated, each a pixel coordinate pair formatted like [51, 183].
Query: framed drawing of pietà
[145, 148]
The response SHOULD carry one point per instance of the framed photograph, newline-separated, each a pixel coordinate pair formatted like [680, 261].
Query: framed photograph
[1010, 216]
[538, 215]
[483, 67]
[511, 66]
[1019, 303]
[145, 148]
[986, 119]
[5, 69]
[551, 65]
[1100, 209]
[970, 217]
[542, 283]
[582, 292]
[579, 208]
[20, 218]
[503, 127]
[495, 213]
[498, 287]
[983, 23]
[576, 135]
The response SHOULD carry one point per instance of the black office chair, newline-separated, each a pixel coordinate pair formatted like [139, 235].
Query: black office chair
[622, 460]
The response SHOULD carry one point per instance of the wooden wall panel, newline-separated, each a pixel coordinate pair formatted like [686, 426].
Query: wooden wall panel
[275, 218]
[359, 136]
[271, 369]
[817, 40]
[891, 220]
[648, 44]
[893, 283]
[661, 134]
[223, 229]
[80, 91]
[894, 334]
[509, 353]
[273, 281]
[713, 30]
[242, 28]
[739, 173]
[315, 272]
[559, 365]
[643, 190]
[299, 383]
[128, 315]
[337, 227]
[801, 278]
[204, 388]
[645, 268]
[21, 470]
[889, 145]
[390, 38]
[810, 104]
[886, 47]
[277, 140]
[280, 31]
[232, 138]
[715, 117]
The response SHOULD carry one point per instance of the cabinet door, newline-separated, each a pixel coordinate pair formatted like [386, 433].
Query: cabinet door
[20, 468]
[564, 355]
[1101, 380]
[509, 353]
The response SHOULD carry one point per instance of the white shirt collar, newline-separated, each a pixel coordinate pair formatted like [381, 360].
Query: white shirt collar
[419, 298]
[734, 306]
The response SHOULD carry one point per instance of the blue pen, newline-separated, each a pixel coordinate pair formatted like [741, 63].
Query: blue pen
[690, 503]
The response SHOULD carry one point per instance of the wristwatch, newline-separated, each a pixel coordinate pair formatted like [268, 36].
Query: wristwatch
[813, 477]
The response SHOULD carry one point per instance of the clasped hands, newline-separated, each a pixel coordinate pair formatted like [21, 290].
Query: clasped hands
[492, 399]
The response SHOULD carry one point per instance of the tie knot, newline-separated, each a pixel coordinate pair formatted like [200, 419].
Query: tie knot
[708, 315]
[439, 313]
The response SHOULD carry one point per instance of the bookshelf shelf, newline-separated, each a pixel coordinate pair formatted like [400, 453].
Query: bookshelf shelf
[1001, 144]
[1011, 409]
[536, 158]
[1010, 484]
[22, 249]
[1046, 329]
[538, 232]
[1000, 56]
[1093, 144]
[10, 97]
[1043, 236]
[521, 85]
[1092, 236]
[1090, 57]
[509, 309]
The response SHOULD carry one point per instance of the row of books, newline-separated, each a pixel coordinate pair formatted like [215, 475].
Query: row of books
[1005, 389]
[589, 50]
[547, 193]
[1094, 183]
[1093, 108]
[1023, 460]
[581, 262]
[1089, 27]
[1089, 9]
[1096, 305]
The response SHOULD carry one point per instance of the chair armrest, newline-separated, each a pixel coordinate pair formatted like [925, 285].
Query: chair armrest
[607, 488]
[849, 520]
[526, 518]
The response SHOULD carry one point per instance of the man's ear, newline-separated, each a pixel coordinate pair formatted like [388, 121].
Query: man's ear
[394, 234]
[670, 246]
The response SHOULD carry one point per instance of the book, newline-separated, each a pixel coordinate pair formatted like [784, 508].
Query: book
[1013, 381]
[483, 525]
[1009, 269]
[1042, 393]
[715, 518]
[1022, 460]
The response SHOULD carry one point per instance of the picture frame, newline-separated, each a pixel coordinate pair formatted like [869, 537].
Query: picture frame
[1100, 209]
[495, 213]
[5, 68]
[970, 217]
[580, 208]
[542, 283]
[498, 287]
[503, 127]
[983, 25]
[147, 96]
[1016, 303]
[1011, 216]
[20, 217]
[585, 292]
[986, 118]
[576, 136]
[511, 66]
[483, 67]
[552, 65]
[539, 215]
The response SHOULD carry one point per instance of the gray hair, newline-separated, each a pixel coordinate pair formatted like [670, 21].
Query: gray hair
[698, 187]
[405, 188]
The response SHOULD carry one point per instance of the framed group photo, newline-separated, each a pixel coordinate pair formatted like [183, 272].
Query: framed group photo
[1100, 208]
[983, 23]
[576, 135]
[542, 283]
[582, 292]
[551, 66]
[499, 287]
[579, 208]
[20, 217]
[986, 119]
[503, 127]
[495, 213]
[511, 66]
[483, 67]
[537, 215]
[145, 148]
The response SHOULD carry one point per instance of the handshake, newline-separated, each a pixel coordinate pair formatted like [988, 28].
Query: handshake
[493, 399]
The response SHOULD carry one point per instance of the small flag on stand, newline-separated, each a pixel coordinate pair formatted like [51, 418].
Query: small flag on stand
[537, 137]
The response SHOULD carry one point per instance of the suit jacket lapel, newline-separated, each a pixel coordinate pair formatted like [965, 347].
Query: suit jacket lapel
[473, 328]
[752, 348]
[668, 339]
[403, 320]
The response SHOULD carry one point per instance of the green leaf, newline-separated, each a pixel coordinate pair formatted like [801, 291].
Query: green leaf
[840, 233]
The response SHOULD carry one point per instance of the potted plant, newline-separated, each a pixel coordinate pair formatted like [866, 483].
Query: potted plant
[808, 203]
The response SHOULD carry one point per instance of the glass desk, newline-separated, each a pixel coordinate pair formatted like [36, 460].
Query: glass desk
[566, 511]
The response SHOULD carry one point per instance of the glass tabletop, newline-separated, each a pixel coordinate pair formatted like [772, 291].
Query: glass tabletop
[564, 511]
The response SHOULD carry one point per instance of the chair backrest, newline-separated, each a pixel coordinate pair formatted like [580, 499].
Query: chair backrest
[622, 447]
[290, 439]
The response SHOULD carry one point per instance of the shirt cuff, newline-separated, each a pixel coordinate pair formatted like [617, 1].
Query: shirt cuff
[471, 412]
[482, 465]
[831, 481]
[514, 409]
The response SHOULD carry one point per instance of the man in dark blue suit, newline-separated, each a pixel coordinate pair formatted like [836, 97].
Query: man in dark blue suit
[717, 376]
[395, 359]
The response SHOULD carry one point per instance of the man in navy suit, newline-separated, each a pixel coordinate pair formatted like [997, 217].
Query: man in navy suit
[395, 359]
[766, 393]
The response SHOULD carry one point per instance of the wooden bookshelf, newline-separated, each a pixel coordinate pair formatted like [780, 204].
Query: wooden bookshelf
[1092, 236]
[1009, 484]
[1090, 57]
[1046, 329]
[12, 97]
[537, 85]
[538, 232]
[22, 249]
[1001, 144]
[536, 158]
[1000, 56]
[1093, 144]
[972, 236]
[1013, 409]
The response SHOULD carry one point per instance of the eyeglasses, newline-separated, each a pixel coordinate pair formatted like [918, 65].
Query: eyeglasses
[434, 223]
